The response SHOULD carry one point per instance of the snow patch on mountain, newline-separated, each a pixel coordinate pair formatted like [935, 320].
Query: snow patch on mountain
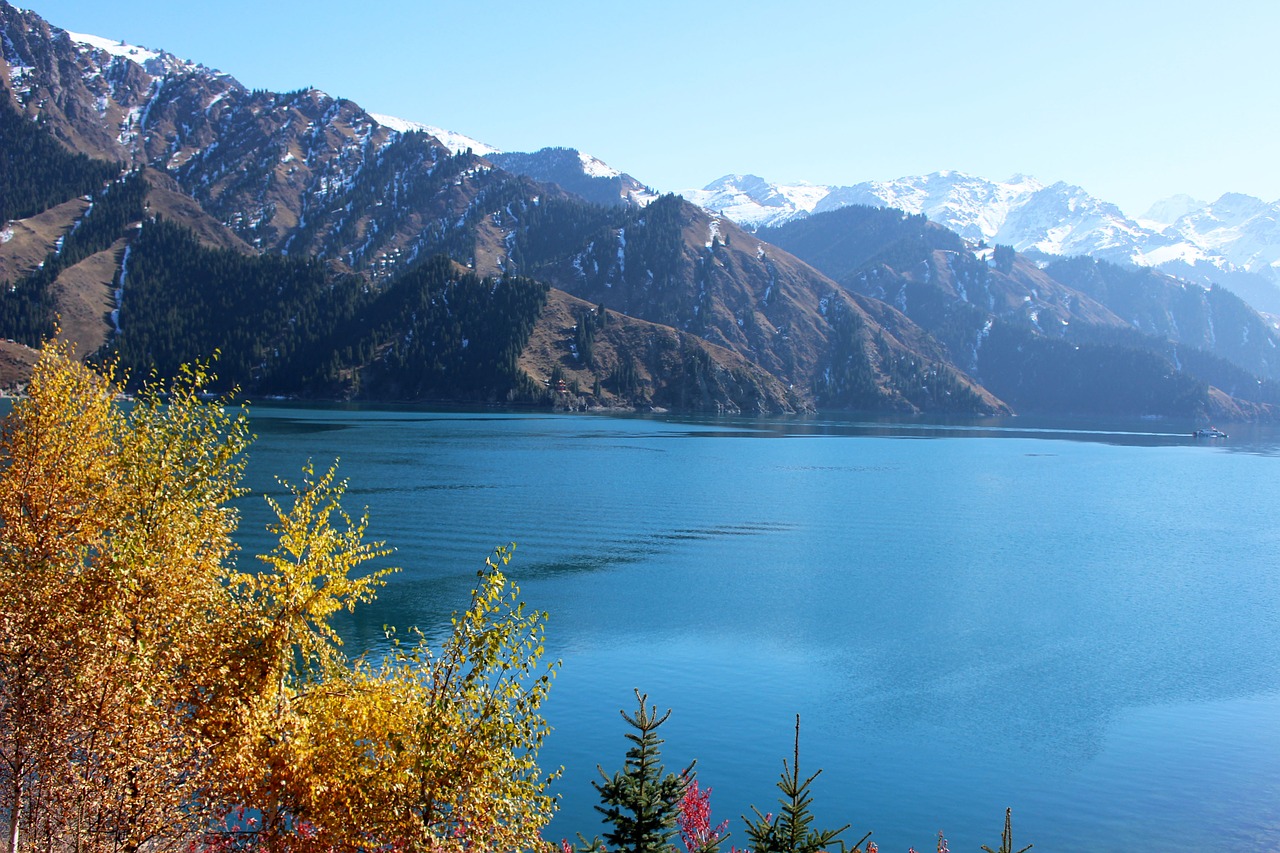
[754, 202]
[140, 55]
[642, 197]
[455, 142]
[596, 168]
[157, 63]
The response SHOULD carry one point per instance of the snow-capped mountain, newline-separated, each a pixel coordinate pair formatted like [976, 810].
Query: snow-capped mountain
[1022, 212]
[578, 172]
[753, 202]
[973, 208]
[1237, 234]
[1169, 210]
[1239, 228]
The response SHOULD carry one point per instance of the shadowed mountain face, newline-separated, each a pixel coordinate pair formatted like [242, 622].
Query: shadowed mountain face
[1076, 335]
[577, 173]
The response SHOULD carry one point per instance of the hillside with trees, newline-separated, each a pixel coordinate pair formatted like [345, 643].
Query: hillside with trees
[674, 264]
[37, 172]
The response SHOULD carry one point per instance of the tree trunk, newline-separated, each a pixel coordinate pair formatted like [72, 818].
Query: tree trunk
[15, 813]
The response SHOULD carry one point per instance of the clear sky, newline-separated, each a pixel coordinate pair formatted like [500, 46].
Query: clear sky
[1134, 101]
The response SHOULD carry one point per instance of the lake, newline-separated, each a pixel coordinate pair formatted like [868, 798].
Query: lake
[1080, 621]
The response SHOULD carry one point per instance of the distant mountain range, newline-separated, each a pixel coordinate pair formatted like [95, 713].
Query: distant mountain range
[155, 210]
[1233, 241]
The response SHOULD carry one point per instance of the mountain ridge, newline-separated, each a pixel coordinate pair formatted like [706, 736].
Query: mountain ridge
[1230, 239]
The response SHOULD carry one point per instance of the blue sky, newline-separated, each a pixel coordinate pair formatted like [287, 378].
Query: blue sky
[1132, 101]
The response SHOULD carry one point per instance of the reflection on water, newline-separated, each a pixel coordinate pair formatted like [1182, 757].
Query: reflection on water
[1072, 619]
[646, 547]
[1254, 438]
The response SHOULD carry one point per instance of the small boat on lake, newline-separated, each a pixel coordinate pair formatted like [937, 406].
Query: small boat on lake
[1209, 432]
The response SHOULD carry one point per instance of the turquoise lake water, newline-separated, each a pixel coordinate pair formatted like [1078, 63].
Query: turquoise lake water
[1081, 622]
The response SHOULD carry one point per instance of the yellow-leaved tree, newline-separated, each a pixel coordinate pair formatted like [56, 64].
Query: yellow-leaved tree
[114, 533]
[157, 694]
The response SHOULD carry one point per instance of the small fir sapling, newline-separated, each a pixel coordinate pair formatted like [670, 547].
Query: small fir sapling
[790, 830]
[1006, 837]
[641, 801]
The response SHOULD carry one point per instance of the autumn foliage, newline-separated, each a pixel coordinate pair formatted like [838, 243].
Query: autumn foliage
[160, 692]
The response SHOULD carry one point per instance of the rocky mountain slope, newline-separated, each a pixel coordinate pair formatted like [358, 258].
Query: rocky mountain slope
[675, 264]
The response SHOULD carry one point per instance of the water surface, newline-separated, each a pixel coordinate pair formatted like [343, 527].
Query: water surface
[1079, 620]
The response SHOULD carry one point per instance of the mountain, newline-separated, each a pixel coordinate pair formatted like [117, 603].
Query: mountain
[751, 201]
[675, 264]
[158, 211]
[1234, 241]
[329, 252]
[1078, 335]
[299, 172]
[457, 143]
[581, 174]
[1169, 210]
[577, 173]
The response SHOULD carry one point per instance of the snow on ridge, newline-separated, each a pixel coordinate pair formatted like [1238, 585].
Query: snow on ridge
[1184, 252]
[596, 168]
[399, 125]
[803, 195]
[750, 200]
[455, 142]
[139, 55]
[154, 62]
[1236, 231]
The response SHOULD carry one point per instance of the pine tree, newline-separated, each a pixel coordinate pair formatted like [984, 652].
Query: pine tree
[789, 831]
[1003, 257]
[642, 801]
